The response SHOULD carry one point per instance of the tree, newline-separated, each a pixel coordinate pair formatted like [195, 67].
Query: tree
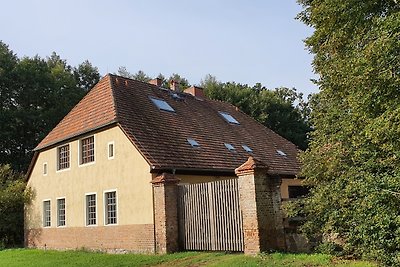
[35, 95]
[353, 163]
[13, 196]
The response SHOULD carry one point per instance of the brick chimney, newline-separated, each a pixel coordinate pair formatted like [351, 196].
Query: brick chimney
[195, 91]
[156, 81]
[174, 85]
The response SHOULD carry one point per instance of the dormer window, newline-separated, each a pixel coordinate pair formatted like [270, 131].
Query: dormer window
[281, 153]
[229, 146]
[193, 142]
[162, 105]
[247, 149]
[228, 117]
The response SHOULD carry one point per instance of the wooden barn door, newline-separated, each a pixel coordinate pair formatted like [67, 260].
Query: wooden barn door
[210, 217]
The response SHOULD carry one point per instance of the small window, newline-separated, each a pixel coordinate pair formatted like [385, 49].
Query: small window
[110, 207]
[193, 142]
[161, 104]
[91, 214]
[87, 150]
[46, 213]
[296, 191]
[247, 149]
[229, 146]
[111, 150]
[45, 168]
[63, 157]
[281, 153]
[229, 118]
[61, 212]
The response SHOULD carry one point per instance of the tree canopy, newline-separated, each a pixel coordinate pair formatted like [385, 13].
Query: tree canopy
[13, 196]
[35, 94]
[353, 163]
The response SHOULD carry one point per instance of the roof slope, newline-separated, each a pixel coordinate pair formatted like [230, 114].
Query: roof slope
[95, 110]
[161, 136]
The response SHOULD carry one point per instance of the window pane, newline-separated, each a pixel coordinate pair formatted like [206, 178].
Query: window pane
[63, 157]
[161, 104]
[87, 150]
[111, 150]
[111, 207]
[46, 213]
[91, 209]
[229, 118]
[61, 212]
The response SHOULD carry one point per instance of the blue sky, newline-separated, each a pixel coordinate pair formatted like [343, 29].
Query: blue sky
[242, 41]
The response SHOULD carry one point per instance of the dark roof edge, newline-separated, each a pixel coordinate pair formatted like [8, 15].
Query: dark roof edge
[215, 172]
[52, 144]
[30, 168]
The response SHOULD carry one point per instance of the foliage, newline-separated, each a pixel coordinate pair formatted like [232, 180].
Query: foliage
[13, 196]
[283, 110]
[353, 162]
[29, 257]
[35, 94]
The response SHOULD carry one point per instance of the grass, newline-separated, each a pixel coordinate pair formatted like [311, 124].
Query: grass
[50, 258]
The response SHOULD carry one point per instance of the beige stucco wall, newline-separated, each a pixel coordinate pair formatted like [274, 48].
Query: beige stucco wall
[128, 174]
[286, 183]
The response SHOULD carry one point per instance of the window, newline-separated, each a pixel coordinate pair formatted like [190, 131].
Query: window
[281, 153]
[162, 105]
[193, 142]
[45, 168]
[110, 148]
[247, 149]
[229, 146]
[296, 191]
[63, 157]
[46, 213]
[91, 209]
[110, 208]
[61, 212]
[87, 150]
[229, 118]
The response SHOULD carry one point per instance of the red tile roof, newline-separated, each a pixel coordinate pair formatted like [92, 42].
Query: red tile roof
[161, 136]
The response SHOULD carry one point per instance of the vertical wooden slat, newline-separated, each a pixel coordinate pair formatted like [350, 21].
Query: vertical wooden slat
[210, 217]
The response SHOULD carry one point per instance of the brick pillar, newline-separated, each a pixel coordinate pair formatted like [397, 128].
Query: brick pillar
[166, 213]
[260, 203]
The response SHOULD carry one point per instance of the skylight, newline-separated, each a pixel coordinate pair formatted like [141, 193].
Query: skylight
[229, 146]
[229, 118]
[248, 149]
[281, 153]
[193, 142]
[162, 105]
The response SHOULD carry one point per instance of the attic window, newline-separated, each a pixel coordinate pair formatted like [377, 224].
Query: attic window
[248, 149]
[228, 117]
[281, 153]
[229, 146]
[193, 142]
[162, 105]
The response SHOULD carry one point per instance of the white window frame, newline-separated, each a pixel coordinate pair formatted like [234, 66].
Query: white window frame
[58, 158]
[108, 150]
[105, 217]
[86, 210]
[65, 212]
[44, 215]
[80, 152]
[45, 168]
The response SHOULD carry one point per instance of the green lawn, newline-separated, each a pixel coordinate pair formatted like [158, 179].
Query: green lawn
[50, 258]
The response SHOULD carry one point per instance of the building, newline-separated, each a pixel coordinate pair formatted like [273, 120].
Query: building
[99, 176]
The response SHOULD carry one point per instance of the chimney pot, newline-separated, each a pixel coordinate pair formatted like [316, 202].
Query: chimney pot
[195, 91]
[174, 85]
[156, 82]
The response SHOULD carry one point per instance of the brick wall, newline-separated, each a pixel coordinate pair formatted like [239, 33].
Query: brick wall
[135, 238]
[260, 202]
[166, 213]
